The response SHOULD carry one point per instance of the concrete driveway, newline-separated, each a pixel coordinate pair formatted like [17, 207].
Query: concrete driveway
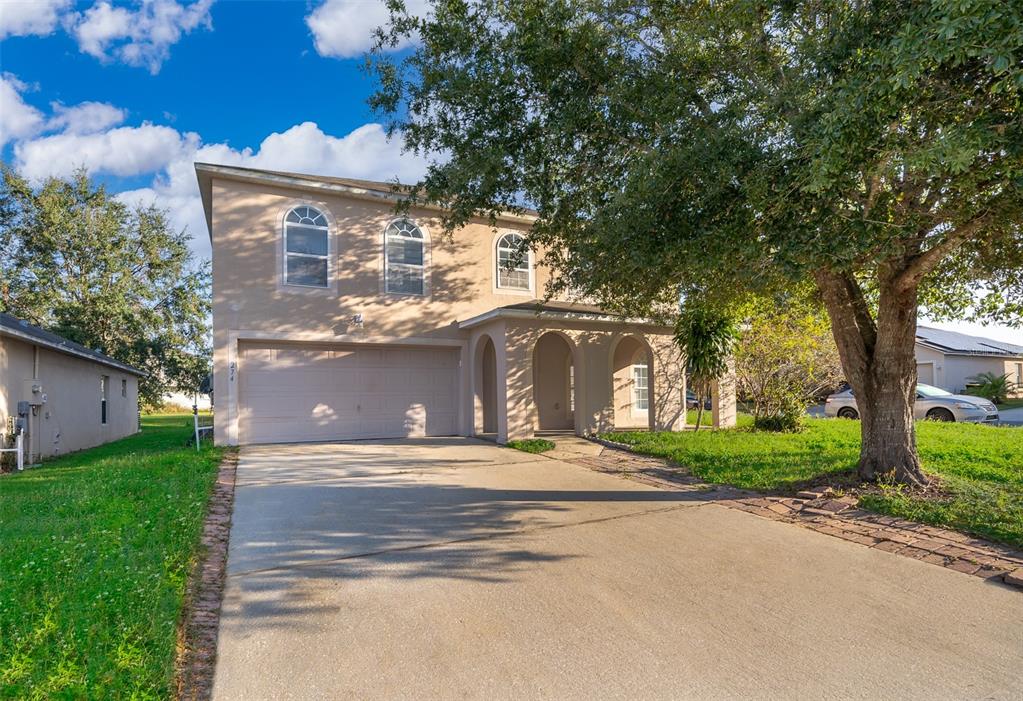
[452, 568]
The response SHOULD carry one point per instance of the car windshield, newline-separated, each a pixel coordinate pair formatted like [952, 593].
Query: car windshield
[928, 391]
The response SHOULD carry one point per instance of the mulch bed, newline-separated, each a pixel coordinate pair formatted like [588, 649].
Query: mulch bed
[829, 508]
[200, 620]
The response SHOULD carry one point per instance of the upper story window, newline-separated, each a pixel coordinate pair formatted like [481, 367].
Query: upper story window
[306, 247]
[403, 258]
[513, 263]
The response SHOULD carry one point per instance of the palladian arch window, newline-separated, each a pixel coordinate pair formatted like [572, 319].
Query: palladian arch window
[306, 247]
[512, 263]
[404, 260]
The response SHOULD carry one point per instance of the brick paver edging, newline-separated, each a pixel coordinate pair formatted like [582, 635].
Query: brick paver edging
[824, 512]
[200, 622]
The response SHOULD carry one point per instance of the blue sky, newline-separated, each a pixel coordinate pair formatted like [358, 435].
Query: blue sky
[138, 91]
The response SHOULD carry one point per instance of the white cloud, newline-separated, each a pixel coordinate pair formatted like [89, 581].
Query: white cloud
[344, 28]
[85, 117]
[25, 17]
[18, 119]
[138, 37]
[362, 153]
[124, 151]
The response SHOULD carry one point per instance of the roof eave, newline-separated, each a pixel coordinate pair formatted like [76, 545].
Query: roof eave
[945, 350]
[205, 172]
[503, 313]
[108, 362]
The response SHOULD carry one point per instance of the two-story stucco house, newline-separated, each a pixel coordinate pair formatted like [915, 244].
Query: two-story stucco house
[334, 319]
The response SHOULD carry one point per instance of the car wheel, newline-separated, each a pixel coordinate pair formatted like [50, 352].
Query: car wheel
[847, 413]
[940, 415]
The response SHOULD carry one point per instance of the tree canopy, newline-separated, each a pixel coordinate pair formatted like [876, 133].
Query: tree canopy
[79, 262]
[872, 146]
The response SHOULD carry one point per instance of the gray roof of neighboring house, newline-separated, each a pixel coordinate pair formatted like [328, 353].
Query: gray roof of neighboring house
[21, 329]
[954, 343]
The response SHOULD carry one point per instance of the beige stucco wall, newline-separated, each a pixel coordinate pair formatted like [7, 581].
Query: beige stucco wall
[250, 302]
[249, 299]
[593, 349]
[70, 418]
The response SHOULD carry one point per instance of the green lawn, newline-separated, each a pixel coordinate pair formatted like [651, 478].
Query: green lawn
[981, 466]
[95, 549]
[532, 445]
[1011, 404]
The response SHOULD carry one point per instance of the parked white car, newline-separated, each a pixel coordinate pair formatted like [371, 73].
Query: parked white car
[932, 403]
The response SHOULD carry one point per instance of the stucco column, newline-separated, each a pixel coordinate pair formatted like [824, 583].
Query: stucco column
[517, 371]
[722, 395]
[669, 384]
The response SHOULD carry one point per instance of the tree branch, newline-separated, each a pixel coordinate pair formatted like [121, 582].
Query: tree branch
[924, 262]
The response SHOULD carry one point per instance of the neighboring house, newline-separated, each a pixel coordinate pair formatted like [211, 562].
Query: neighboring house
[76, 397]
[335, 319]
[951, 360]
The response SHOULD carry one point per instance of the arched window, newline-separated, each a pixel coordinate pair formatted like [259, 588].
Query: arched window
[403, 258]
[306, 247]
[512, 263]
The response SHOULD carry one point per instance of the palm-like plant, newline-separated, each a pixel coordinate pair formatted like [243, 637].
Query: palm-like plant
[707, 336]
[992, 386]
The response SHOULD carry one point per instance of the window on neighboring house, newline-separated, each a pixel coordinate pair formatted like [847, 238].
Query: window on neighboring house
[403, 258]
[1019, 374]
[512, 263]
[640, 387]
[104, 382]
[124, 388]
[306, 248]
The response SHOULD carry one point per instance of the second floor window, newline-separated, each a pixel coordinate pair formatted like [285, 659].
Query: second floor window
[512, 263]
[403, 258]
[306, 247]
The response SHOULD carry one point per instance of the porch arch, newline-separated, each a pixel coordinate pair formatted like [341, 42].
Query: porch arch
[632, 366]
[484, 368]
[557, 379]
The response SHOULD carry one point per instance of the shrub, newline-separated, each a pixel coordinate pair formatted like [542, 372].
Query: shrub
[997, 388]
[785, 359]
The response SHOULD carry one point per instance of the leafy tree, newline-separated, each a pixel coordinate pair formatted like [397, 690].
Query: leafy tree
[874, 147]
[115, 278]
[785, 359]
[706, 335]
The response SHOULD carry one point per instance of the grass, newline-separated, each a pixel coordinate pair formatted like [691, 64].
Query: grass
[532, 445]
[1011, 404]
[981, 468]
[95, 550]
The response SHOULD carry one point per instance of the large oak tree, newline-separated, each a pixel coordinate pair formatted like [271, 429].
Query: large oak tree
[116, 278]
[873, 147]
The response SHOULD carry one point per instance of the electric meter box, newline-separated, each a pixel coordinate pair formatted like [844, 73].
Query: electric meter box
[33, 393]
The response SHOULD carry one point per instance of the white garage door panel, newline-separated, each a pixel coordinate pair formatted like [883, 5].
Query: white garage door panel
[289, 394]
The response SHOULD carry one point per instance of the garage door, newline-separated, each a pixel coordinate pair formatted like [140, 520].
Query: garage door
[299, 393]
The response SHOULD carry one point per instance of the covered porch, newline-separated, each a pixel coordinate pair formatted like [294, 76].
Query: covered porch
[560, 367]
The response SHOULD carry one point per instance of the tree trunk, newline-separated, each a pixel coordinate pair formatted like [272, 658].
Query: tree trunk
[880, 365]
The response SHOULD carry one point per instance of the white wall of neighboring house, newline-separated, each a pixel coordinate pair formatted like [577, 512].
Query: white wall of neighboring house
[955, 372]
